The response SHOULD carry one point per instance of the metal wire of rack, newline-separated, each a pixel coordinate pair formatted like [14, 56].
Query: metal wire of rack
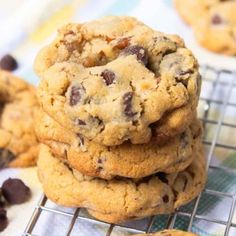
[212, 111]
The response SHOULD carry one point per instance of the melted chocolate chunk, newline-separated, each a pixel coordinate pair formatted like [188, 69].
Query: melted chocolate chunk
[138, 51]
[165, 199]
[6, 156]
[15, 191]
[162, 177]
[8, 62]
[127, 101]
[81, 139]
[216, 19]
[79, 122]
[3, 219]
[108, 76]
[76, 94]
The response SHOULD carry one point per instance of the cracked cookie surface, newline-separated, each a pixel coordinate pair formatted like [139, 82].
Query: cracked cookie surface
[115, 80]
[18, 143]
[127, 160]
[169, 232]
[120, 199]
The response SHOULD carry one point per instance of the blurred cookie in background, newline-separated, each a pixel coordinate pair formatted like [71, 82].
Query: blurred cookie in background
[18, 143]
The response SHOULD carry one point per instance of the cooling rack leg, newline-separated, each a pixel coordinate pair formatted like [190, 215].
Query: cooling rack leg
[72, 222]
[35, 216]
[110, 230]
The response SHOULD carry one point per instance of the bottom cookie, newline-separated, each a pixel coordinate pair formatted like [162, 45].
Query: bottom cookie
[169, 232]
[120, 199]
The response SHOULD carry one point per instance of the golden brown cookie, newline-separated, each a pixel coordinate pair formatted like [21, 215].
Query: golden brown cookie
[120, 199]
[216, 31]
[115, 80]
[127, 160]
[192, 10]
[18, 142]
[213, 22]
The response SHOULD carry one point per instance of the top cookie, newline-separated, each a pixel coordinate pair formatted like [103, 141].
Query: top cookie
[116, 79]
[18, 142]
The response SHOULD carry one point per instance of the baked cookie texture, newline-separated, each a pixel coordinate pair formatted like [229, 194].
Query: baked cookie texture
[217, 29]
[115, 80]
[18, 142]
[213, 22]
[127, 160]
[169, 232]
[191, 10]
[120, 199]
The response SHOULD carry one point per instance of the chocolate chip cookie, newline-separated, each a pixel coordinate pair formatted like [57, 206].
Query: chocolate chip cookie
[120, 199]
[169, 232]
[191, 10]
[18, 142]
[213, 22]
[217, 29]
[127, 160]
[115, 80]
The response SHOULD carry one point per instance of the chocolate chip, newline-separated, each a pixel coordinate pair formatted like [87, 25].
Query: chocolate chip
[79, 122]
[122, 43]
[6, 156]
[81, 138]
[127, 101]
[162, 177]
[15, 191]
[165, 199]
[8, 62]
[138, 51]
[108, 76]
[216, 19]
[3, 219]
[76, 94]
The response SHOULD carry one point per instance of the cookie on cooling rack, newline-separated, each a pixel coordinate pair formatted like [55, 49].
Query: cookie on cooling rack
[169, 232]
[120, 199]
[217, 29]
[18, 143]
[127, 160]
[115, 80]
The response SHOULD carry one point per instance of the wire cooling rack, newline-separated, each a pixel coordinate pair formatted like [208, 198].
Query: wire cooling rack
[214, 208]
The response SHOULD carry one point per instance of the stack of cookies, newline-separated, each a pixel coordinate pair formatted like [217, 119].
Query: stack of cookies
[118, 120]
